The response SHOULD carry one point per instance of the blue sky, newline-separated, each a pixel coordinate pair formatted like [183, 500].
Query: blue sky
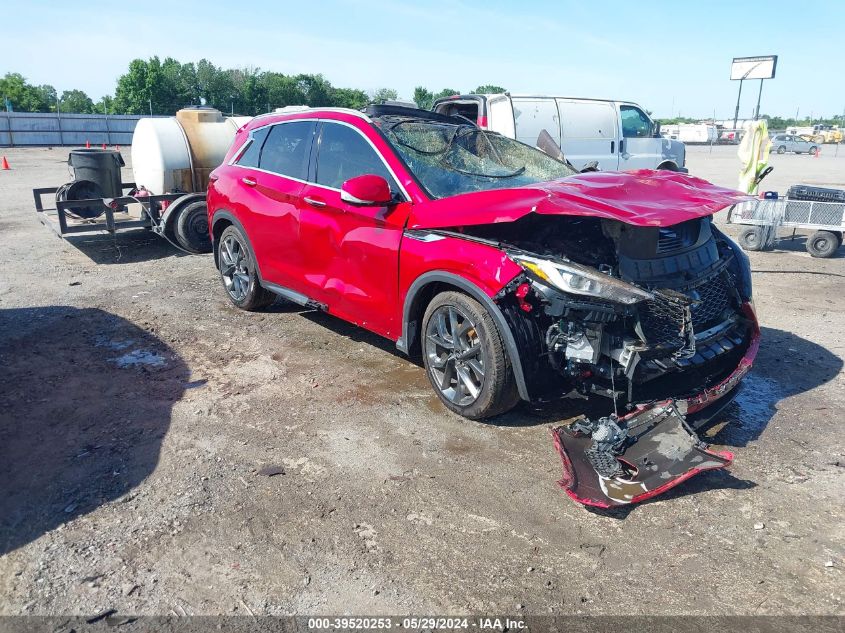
[671, 57]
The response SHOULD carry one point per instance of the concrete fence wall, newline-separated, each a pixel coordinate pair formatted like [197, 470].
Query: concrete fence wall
[29, 128]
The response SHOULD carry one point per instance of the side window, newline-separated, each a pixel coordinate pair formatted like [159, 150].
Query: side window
[344, 154]
[251, 155]
[635, 124]
[287, 149]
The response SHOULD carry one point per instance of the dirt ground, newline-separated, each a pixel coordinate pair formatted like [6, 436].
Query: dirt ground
[140, 410]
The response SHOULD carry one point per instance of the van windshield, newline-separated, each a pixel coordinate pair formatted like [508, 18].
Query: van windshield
[450, 159]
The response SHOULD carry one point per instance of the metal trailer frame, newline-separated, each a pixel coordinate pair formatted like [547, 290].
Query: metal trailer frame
[153, 215]
[825, 219]
[791, 213]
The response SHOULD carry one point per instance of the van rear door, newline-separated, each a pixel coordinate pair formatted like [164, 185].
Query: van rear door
[589, 132]
[472, 107]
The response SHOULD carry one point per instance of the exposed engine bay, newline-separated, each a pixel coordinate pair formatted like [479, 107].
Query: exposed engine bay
[637, 314]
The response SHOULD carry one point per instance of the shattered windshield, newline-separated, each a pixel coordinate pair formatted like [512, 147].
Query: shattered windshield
[449, 159]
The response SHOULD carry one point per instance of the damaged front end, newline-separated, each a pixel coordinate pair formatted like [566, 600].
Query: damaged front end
[660, 320]
[616, 461]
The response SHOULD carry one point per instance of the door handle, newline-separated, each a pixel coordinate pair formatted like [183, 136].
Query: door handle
[612, 146]
[315, 202]
[248, 181]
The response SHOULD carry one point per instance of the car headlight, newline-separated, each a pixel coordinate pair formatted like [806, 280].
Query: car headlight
[581, 280]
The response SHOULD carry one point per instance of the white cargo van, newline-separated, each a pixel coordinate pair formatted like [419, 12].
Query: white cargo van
[619, 135]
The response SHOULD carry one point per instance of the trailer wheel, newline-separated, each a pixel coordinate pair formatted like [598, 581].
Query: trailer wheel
[191, 226]
[751, 239]
[823, 244]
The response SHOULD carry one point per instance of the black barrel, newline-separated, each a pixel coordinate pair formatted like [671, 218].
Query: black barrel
[100, 166]
[82, 190]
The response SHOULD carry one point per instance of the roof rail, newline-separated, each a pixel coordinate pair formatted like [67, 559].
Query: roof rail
[395, 110]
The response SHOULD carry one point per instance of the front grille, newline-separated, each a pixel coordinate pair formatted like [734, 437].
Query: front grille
[663, 321]
[711, 299]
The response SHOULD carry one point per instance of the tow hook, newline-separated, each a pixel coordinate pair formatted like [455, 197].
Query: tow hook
[617, 461]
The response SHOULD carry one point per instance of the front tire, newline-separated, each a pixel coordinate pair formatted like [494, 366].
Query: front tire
[782, 149]
[465, 357]
[238, 272]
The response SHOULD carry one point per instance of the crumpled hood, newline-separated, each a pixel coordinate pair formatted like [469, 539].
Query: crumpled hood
[643, 198]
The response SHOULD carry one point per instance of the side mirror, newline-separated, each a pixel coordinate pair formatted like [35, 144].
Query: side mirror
[368, 190]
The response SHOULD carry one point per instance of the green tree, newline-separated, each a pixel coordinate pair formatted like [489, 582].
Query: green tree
[132, 95]
[317, 90]
[349, 98]
[446, 92]
[23, 96]
[77, 102]
[282, 90]
[489, 89]
[423, 97]
[214, 85]
[384, 94]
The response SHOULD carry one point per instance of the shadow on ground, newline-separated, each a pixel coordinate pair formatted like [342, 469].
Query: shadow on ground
[86, 402]
[130, 247]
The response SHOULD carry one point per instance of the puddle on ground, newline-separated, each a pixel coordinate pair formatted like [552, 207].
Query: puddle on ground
[139, 357]
[747, 416]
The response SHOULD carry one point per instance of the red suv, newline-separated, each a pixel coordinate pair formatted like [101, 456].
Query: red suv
[511, 274]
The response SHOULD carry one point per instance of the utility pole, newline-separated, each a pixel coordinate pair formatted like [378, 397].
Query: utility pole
[738, 96]
[59, 119]
[151, 106]
[759, 94]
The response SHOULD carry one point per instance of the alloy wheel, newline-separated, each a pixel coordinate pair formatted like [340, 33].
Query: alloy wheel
[455, 355]
[234, 269]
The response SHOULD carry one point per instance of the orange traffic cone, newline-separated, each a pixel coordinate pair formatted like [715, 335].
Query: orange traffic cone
[818, 151]
[88, 144]
[104, 146]
[5, 164]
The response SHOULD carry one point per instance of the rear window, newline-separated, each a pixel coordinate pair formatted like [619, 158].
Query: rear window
[251, 155]
[287, 149]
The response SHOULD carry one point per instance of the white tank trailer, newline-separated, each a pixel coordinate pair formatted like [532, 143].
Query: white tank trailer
[176, 155]
[172, 158]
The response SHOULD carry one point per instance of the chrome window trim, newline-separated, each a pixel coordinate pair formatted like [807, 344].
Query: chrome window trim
[236, 157]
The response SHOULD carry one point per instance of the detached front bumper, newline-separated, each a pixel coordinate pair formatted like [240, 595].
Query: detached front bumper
[617, 461]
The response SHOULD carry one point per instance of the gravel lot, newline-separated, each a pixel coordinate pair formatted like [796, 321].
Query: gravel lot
[140, 410]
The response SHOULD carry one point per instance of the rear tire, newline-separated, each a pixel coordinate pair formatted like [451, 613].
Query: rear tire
[823, 244]
[813, 150]
[465, 357]
[751, 239]
[238, 272]
[191, 228]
